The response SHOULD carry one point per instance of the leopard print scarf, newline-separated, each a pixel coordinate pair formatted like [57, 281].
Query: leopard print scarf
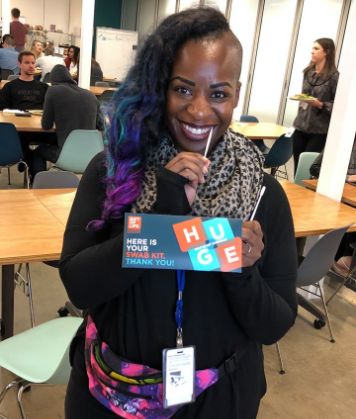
[231, 187]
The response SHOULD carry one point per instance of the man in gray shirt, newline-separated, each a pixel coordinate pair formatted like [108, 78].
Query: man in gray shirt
[67, 106]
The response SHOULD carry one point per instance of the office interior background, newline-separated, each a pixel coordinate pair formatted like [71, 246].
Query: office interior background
[276, 35]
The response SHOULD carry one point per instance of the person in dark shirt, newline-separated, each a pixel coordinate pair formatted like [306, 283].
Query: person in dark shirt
[18, 30]
[320, 79]
[69, 107]
[24, 92]
[180, 94]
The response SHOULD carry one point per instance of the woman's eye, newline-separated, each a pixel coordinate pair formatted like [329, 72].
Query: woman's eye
[183, 90]
[218, 95]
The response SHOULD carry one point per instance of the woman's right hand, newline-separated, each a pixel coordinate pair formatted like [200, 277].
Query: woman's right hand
[192, 166]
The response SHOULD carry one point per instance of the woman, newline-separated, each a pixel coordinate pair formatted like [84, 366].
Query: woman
[72, 60]
[320, 81]
[183, 85]
[37, 49]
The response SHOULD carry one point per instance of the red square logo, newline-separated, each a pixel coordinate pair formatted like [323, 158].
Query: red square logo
[134, 224]
[190, 233]
[229, 254]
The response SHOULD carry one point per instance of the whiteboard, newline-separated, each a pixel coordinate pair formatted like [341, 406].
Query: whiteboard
[115, 51]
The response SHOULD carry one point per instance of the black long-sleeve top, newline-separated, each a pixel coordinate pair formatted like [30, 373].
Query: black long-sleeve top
[133, 309]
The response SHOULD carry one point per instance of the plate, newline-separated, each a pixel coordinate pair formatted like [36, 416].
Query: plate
[303, 97]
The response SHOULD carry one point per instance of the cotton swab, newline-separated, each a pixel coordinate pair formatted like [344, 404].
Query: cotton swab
[262, 191]
[208, 142]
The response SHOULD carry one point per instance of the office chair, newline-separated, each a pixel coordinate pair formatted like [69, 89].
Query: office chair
[11, 150]
[79, 148]
[38, 356]
[258, 143]
[305, 161]
[5, 73]
[43, 180]
[313, 267]
[279, 154]
[13, 77]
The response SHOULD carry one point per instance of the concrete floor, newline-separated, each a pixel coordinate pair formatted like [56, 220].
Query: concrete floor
[320, 376]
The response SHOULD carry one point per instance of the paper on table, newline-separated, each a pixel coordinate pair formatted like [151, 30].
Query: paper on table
[6, 110]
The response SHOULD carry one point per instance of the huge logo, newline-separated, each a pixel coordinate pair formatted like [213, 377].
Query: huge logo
[210, 244]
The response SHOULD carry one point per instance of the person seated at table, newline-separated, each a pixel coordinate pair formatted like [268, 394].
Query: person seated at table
[96, 73]
[48, 61]
[343, 257]
[351, 170]
[69, 107]
[8, 55]
[37, 49]
[72, 60]
[24, 92]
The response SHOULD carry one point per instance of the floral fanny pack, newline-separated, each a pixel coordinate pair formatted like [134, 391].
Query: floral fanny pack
[133, 390]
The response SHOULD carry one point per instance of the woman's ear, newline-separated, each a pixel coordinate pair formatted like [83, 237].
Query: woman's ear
[237, 95]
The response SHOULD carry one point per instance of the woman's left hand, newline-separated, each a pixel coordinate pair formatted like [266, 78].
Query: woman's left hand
[316, 103]
[252, 243]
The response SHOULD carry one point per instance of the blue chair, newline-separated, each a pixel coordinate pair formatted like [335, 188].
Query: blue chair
[305, 161]
[258, 143]
[280, 153]
[38, 356]
[79, 148]
[11, 150]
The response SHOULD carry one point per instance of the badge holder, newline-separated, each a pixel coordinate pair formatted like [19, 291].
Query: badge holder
[178, 363]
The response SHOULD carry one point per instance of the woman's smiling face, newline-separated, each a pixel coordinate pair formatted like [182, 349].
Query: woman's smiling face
[203, 92]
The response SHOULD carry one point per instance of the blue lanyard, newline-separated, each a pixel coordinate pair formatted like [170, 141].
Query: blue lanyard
[179, 307]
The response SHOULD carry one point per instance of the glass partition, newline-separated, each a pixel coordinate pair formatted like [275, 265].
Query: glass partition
[271, 59]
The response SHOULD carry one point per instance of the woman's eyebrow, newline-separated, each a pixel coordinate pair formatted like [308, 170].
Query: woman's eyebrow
[221, 84]
[182, 79]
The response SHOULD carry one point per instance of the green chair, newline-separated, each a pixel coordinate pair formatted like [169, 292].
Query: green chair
[39, 355]
[306, 159]
[79, 148]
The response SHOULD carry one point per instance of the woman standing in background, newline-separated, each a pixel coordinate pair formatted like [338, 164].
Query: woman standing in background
[313, 118]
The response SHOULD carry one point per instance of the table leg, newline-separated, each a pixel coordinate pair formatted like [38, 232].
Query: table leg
[7, 301]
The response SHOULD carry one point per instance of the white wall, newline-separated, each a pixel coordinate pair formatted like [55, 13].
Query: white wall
[65, 14]
[44, 12]
[75, 16]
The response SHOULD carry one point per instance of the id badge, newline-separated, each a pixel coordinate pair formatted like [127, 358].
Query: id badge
[178, 376]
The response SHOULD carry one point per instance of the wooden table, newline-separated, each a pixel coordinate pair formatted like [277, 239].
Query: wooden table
[31, 230]
[33, 223]
[24, 123]
[315, 214]
[259, 130]
[348, 194]
[98, 90]
[3, 82]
